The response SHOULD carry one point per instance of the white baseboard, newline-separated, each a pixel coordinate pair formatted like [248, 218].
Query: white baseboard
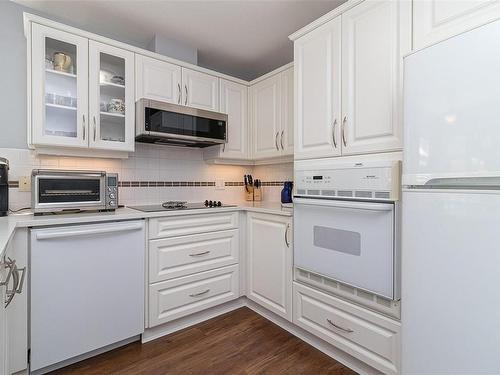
[188, 321]
[182, 323]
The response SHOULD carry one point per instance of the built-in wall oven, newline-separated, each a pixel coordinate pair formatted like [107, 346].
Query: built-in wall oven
[345, 220]
[59, 190]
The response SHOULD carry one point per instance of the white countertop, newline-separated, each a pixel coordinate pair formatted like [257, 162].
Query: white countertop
[8, 224]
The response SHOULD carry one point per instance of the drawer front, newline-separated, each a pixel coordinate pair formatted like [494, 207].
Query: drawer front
[173, 299]
[180, 256]
[192, 224]
[368, 336]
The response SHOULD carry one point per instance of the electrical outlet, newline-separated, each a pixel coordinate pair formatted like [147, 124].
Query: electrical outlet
[219, 184]
[24, 183]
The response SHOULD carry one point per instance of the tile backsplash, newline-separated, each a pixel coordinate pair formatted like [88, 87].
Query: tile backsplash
[154, 174]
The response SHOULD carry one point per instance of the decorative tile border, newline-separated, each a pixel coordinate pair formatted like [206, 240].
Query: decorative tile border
[124, 184]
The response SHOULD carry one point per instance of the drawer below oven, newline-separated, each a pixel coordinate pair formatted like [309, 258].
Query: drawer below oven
[364, 334]
[173, 299]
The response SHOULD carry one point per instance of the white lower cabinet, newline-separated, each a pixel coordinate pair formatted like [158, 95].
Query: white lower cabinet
[269, 262]
[193, 264]
[364, 334]
[173, 299]
[174, 257]
[192, 224]
[3, 321]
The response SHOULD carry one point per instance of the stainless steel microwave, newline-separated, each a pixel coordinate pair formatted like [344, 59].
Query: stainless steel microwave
[58, 191]
[173, 124]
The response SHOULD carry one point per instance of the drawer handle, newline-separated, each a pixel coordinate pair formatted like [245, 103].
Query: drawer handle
[200, 254]
[200, 293]
[346, 330]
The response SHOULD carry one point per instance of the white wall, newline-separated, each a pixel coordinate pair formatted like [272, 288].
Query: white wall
[152, 163]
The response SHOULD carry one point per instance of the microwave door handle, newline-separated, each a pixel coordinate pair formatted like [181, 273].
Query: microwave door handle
[345, 204]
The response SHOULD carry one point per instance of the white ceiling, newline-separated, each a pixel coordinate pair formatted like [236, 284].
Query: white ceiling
[241, 38]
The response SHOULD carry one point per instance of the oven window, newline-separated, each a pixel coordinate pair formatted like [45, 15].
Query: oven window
[68, 190]
[344, 241]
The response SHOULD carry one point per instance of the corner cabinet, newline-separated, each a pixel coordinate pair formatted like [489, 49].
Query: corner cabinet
[234, 103]
[82, 92]
[349, 81]
[269, 262]
[272, 116]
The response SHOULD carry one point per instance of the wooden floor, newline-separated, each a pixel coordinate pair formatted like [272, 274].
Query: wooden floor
[239, 342]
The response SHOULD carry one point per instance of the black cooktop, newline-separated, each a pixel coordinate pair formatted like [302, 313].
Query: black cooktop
[180, 205]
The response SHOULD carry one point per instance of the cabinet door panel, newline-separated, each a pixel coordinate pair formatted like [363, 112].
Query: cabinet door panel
[111, 127]
[287, 112]
[436, 20]
[59, 88]
[157, 80]
[266, 117]
[234, 102]
[375, 35]
[200, 90]
[318, 95]
[270, 262]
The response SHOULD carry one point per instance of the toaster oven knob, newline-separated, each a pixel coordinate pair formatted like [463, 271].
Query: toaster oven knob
[112, 203]
[112, 196]
[109, 188]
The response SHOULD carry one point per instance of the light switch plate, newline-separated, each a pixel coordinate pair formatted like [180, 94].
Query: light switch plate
[219, 184]
[24, 183]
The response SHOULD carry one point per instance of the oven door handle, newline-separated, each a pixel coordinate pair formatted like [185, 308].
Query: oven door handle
[345, 204]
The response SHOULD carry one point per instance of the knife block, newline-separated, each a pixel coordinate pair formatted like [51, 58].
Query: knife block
[257, 194]
[249, 193]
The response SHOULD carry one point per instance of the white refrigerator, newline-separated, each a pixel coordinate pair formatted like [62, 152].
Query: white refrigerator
[451, 207]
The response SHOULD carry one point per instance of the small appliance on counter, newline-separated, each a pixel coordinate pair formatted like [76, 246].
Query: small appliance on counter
[55, 191]
[287, 192]
[4, 187]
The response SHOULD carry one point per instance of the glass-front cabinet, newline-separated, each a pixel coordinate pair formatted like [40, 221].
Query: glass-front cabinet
[59, 88]
[82, 92]
[111, 97]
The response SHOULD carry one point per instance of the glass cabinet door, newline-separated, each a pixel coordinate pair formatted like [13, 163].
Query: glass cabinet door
[112, 105]
[59, 88]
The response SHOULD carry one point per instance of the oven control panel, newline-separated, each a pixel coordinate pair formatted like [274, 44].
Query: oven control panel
[377, 181]
[111, 192]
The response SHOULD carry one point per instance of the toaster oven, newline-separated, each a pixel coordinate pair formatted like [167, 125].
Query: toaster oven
[58, 191]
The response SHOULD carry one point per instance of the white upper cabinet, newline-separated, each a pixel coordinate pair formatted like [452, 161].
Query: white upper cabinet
[269, 262]
[272, 116]
[234, 102]
[111, 98]
[166, 82]
[157, 80]
[266, 117]
[436, 20]
[287, 112]
[375, 35]
[59, 92]
[318, 84]
[200, 90]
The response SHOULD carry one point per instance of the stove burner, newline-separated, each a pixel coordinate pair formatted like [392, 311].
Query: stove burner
[174, 204]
